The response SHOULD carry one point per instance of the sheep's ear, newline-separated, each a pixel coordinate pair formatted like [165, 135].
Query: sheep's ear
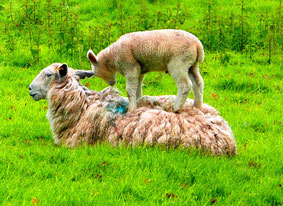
[91, 57]
[63, 70]
[83, 74]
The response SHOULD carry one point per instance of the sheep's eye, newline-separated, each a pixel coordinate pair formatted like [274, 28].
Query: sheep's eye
[48, 75]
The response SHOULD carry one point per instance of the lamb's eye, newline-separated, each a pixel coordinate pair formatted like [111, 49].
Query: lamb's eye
[48, 75]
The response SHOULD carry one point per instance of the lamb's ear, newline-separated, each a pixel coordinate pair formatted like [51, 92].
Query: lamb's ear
[63, 70]
[83, 74]
[91, 57]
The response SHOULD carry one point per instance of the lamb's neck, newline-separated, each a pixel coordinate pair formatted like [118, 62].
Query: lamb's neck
[108, 56]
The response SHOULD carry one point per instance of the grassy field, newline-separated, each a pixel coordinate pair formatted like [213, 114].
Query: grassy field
[247, 94]
[243, 83]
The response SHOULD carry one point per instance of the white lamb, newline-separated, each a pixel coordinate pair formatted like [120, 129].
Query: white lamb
[78, 115]
[135, 54]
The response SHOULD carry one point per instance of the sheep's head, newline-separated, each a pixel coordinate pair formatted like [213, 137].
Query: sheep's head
[101, 70]
[55, 72]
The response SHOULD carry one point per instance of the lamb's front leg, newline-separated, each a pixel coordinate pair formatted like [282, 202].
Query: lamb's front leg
[132, 85]
[139, 90]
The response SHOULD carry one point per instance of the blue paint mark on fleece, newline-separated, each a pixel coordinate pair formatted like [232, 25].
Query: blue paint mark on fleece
[119, 107]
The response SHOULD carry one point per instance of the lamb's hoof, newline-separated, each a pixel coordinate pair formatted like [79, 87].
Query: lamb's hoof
[177, 112]
[130, 111]
[198, 105]
[131, 108]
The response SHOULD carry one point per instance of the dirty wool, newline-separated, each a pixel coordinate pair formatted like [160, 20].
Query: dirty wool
[78, 115]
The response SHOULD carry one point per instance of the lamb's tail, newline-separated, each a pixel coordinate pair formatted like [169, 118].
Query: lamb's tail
[200, 52]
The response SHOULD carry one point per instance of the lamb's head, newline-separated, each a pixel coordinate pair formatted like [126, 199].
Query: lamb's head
[100, 69]
[54, 72]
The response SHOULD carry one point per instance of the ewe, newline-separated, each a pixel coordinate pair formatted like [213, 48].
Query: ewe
[135, 54]
[78, 115]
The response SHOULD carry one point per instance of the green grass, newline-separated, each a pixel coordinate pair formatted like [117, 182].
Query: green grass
[248, 95]
[244, 88]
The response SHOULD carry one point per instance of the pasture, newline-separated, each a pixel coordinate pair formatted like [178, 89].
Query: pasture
[243, 81]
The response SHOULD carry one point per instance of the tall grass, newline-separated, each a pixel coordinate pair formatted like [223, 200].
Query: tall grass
[66, 29]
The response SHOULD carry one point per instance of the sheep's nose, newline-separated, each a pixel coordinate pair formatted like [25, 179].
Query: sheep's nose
[29, 88]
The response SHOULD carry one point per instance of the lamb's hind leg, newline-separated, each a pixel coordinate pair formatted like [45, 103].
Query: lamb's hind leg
[198, 85]
[180, 76]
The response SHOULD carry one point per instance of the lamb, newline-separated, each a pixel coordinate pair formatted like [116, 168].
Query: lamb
[133, 55]
[78, 115]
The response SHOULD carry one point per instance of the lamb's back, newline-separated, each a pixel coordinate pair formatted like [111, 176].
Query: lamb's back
[154, 49]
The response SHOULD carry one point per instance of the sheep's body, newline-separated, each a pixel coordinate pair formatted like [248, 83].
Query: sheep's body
[134, 54]
[79, 115]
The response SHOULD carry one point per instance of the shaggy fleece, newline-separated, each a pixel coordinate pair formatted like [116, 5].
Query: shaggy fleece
[78, 115]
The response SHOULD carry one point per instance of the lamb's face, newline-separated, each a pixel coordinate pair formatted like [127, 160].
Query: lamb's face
[55, 72]
[100, 69]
